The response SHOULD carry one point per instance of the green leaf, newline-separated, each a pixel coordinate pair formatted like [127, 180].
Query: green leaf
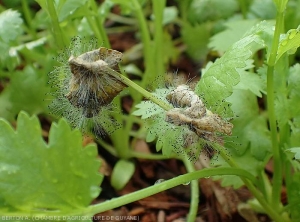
[147, 109]
[69, 7]
[196, 38]
[295, 150]
[253, 166]
[286, 100]
[11, 28]
[263, 10]
[122, 173]
[253, 82]
[233, 32]
[170, 138]
[170, 15]
[250, 142]
[26, 91]
[219, 78]
[289, 42]
[60, 175]
[250, 129]
[127, 6]
[294, 197]
[213, 10]
[10, 23]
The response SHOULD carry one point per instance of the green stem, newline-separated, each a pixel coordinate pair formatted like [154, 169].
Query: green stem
[99, 25]
[133, 154]
[129, 198]
[277, 172]
[243, 6]
[158, 9]
[250, 185]
[141, 90]
[28, 18]
[145, 35]
[57, 32]
[194, 192]
[93, 25]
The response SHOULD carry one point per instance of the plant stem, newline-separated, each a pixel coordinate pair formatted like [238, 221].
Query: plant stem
[258, 195]
[129, 198]
[277, 172]
[194, 192]
[57, 32]
[158, 9]
[243, 6]
[28, 18]
[134, 154]
[145, 35]
[99, 25]
[141, 90]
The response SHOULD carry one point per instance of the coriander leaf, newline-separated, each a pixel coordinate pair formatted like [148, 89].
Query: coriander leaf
[213, 10]
[250, 129]
[294, 196]
[170, 15]
[147, 109]
[250, 142]
[252, 82]
[253, 166]
[219, 78]
[11, 28]
[26, 91]
[233, 32]
[293, 88]
[289, 42]
[69, 7]
[196, 38]
[60, 175]
[170, 138]
[10, 23]
[295, 150]
[263, 10]
[286, 100]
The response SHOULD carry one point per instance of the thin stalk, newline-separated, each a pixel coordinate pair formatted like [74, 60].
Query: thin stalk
[93, 25]
[100, 25]
[277, 173]
[129, 198]
[134, 154]
[194, 192]
[28, 18]
[57, 32]
[145, 35]
[120, 137]
[141, 90]
[148, 156]
[250, 185]
[158, 9]
[243, 5]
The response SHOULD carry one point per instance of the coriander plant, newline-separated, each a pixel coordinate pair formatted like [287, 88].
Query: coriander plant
[243, 110]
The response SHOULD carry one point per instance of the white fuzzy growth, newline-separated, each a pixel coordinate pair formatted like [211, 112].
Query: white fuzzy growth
[82, 96]
[184, 97]
[193, 113]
